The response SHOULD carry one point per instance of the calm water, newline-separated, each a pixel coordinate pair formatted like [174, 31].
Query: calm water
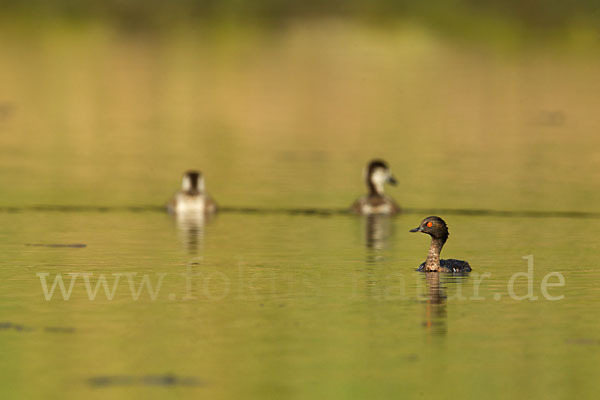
[268, 299]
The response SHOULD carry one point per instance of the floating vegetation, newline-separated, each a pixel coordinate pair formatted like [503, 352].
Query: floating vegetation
[144, 380]
[9, 326]
[74, 245]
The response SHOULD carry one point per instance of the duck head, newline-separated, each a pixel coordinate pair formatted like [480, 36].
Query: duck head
[193, 182]
[378, 173]
[434, 227]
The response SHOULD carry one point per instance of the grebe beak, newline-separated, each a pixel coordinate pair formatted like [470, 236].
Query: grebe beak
[417, 229]
[391, 180]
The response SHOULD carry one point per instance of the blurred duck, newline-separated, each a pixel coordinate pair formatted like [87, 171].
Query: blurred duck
[192, 198]
[375, 201]
[438, 230]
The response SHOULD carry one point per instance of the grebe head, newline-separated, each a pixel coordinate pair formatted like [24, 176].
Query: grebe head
[193, 182]
[434, 227]
[377, 174]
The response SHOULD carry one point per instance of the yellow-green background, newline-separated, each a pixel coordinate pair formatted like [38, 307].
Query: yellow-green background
[500, 115]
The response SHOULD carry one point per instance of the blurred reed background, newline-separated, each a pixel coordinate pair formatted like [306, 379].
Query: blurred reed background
[484, 104]
[456, 15]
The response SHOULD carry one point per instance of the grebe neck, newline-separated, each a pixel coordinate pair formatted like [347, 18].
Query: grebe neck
[433, 256]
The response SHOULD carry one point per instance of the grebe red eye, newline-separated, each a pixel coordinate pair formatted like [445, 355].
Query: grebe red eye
[429, 224]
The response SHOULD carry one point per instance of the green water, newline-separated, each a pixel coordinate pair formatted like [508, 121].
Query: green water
[270, 302]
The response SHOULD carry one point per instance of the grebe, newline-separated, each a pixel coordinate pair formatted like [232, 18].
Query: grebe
[192, 197]
[438, 230]
[376, 202]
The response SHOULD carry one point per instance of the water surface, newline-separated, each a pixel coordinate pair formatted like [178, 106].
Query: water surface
[283, 295]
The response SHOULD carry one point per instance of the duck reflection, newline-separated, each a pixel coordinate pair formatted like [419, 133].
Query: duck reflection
[436, 321]
[435, 305]
[378, 229]
[190, 226]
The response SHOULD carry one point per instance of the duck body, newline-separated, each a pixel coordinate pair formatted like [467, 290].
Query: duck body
[375, 201]
[450, 265]
[375, 204]
[192, 198]
[438, 230]
[185, 202]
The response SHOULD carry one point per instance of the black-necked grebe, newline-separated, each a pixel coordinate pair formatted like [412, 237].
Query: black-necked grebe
[437, 229]
[375, 202]
[192, 197]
